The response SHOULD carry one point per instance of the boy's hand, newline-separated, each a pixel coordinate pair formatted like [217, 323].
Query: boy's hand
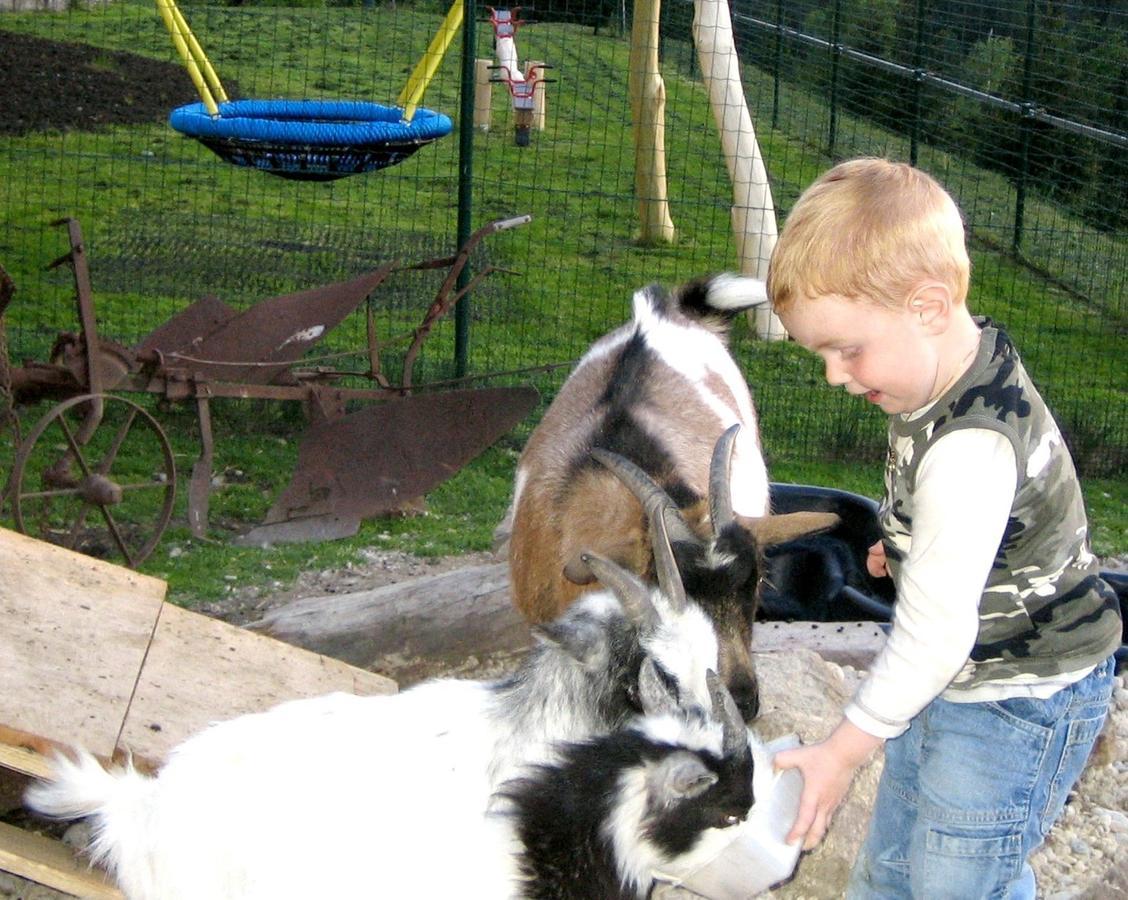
[827, 768]
[875, 561]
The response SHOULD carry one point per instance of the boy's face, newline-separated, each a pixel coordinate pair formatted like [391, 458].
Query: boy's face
[884, 355]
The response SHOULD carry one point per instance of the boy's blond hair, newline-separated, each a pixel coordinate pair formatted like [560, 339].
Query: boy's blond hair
[870, 230]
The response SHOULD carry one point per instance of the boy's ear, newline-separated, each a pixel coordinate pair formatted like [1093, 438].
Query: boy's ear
[932, 304]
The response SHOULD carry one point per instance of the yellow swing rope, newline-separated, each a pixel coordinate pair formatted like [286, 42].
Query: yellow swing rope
[195, 60]
[210, 89]
[425, 69]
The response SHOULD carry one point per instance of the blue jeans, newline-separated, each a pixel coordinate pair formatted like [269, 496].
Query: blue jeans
[972, 788]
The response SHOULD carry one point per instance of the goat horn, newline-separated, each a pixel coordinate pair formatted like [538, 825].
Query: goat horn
[735, 734]
[646, 490]
[628, 587]
[720, 480]
[665, 566]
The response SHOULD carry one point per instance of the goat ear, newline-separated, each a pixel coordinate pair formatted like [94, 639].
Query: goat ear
[679, 776]
[581, 638]
[770, 530]
[577, 571]
[655, 692]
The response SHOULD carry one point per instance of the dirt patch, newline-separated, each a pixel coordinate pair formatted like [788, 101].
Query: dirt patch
[55, 86]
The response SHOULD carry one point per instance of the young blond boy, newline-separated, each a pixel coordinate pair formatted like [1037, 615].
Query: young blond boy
[997, 673]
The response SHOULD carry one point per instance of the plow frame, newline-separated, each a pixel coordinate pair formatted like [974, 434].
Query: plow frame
[209, 351]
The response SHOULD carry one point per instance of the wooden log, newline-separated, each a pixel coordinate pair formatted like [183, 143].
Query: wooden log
[535, 69]
[845, 643]
[648, 119]
[483, 94]
[411, 626]
[753, 210]
[435, 622]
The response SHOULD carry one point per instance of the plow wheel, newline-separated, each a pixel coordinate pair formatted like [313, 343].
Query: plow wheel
[96, 475]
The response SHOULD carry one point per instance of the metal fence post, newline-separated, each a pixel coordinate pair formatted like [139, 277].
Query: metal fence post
[465, 184]
[777, 63]
[835, 53]
[1026, 123]
[918, 83]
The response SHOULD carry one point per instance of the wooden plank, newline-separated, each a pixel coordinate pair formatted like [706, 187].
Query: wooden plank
[200, 670]
[24, 752]
[74, 633]
[50, 862]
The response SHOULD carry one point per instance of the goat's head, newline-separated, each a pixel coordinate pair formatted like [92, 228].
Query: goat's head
[720, 571]
[632, 637]
[656, 796]
[696, 782]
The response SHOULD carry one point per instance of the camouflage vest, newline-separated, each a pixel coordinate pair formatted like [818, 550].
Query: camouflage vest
[1044, 610]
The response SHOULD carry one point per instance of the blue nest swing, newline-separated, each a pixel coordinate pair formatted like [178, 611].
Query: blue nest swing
[307, 140]
[310, 140]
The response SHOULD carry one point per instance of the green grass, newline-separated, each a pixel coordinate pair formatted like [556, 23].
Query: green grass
[166, 222]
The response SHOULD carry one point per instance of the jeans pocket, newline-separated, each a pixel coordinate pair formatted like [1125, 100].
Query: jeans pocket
[964, 864]
[1079, 740]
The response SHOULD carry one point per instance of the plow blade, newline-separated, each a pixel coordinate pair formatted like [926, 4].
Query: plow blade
[260, 344]
[377, 459]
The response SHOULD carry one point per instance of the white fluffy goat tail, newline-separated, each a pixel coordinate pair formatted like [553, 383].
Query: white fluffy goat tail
[119, 804]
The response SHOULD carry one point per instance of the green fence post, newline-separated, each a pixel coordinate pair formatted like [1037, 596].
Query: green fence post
[465, 185]
[1027, 126]
[918, 84]
[835, 53]
[777, 63]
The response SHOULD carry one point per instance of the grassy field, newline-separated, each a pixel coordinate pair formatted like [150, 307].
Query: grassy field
[167, 223]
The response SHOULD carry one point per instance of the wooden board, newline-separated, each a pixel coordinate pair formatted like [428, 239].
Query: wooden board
[200, 670]
[73, 634]
[50, 862]
[91, 655]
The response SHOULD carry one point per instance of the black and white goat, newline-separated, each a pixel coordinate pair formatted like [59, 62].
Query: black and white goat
[300, 802]
[615, 811]
[659, 392]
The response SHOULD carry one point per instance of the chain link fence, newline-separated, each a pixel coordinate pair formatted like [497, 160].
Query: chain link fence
[1020, 108]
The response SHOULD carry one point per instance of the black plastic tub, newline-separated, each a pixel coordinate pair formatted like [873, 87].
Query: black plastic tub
[824, 578]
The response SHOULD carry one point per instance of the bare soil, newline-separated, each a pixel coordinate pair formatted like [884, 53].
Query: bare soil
[55, 86]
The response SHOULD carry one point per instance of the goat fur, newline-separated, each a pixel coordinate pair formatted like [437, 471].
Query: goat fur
[659, 390]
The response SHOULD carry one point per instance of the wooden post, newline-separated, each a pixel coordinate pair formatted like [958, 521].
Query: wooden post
[648, 115]
[483, 93]
[535, 69]
[753, 210]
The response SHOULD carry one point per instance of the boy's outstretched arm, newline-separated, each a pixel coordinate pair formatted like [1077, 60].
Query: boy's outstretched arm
[828, 768]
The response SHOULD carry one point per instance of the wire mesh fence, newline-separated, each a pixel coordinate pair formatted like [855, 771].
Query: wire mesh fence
[1020, 108]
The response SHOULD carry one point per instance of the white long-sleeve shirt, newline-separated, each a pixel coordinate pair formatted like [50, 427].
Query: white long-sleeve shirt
[964, 492]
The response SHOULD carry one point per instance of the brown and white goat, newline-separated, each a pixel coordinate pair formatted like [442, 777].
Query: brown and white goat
[660, 392]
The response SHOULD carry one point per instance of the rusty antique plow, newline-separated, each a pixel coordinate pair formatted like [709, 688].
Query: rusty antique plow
[97, 474]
